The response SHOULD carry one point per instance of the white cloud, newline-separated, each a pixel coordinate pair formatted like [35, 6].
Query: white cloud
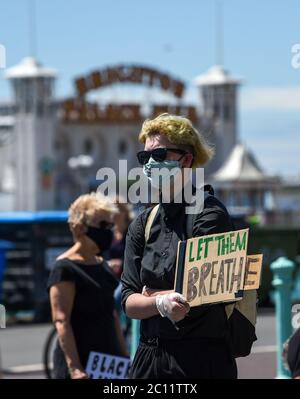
[277, 98]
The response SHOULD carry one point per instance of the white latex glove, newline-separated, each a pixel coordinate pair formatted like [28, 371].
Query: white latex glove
[164, 303]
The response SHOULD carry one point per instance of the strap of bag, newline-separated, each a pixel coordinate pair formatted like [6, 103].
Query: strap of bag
[150, 221]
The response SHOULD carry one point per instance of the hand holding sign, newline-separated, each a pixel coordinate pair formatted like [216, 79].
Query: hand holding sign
[174, 306]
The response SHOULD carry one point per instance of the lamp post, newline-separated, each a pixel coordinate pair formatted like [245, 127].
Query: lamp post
[282, 270]
[296, 290]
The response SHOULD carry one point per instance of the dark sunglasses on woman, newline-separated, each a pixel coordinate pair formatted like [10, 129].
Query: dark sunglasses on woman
[159, 154]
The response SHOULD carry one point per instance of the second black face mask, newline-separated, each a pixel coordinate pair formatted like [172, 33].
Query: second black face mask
[101, 236]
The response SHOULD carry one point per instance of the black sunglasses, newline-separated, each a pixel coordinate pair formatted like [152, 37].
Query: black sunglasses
[159, 154]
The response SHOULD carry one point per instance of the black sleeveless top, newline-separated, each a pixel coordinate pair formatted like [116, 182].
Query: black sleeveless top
[92, 318]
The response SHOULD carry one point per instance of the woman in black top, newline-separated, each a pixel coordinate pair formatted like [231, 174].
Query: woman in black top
[81, 287]
[198, 346]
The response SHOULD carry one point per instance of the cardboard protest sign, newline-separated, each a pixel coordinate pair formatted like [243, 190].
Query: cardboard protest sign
[215, 268]
[102, 365]
[253, 272]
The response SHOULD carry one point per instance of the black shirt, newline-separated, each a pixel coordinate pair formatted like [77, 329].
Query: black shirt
[92, 318]
[153, 264]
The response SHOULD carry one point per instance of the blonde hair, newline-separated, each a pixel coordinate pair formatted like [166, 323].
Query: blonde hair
[180, 131]
[84, 208]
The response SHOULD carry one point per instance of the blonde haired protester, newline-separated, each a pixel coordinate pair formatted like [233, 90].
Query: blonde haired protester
[175, 341]
[81, 287]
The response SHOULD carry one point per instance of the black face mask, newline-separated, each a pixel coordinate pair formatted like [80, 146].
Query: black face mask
[102, 237]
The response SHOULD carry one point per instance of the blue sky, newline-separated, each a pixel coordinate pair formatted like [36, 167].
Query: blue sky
[179, 37]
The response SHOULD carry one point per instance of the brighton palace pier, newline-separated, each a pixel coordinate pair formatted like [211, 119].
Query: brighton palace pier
[51, 148]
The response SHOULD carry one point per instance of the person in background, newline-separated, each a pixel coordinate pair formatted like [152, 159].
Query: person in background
[122, 220]
[81, 287]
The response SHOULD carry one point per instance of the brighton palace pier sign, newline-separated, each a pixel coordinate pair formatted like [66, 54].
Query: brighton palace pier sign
[78, 109]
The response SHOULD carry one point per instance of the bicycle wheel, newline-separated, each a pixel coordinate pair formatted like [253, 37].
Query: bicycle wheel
[48, 353]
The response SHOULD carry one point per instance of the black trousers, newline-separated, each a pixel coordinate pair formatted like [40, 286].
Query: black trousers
[194, 358]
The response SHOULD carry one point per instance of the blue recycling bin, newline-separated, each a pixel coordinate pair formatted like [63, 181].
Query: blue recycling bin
[4, 246]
